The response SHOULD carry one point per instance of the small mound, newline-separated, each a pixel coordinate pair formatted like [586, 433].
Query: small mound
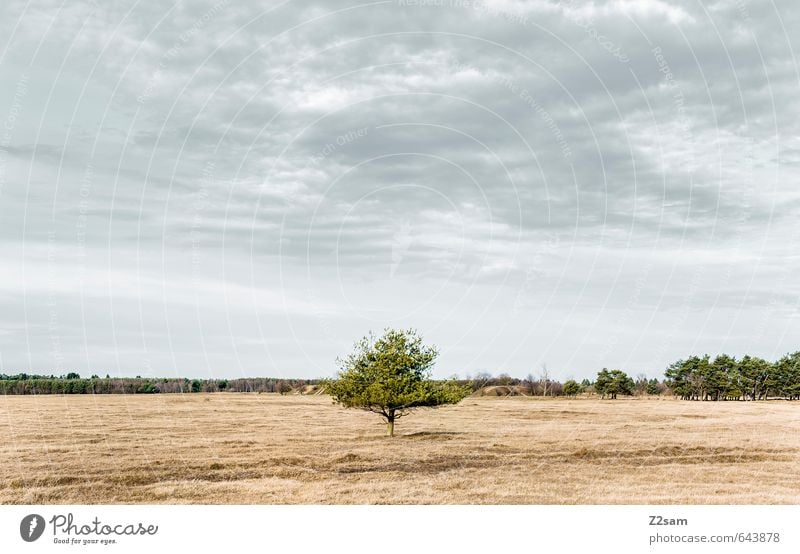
[310, 389]
[499, 390]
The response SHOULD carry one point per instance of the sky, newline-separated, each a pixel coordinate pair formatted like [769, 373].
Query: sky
[232, 188]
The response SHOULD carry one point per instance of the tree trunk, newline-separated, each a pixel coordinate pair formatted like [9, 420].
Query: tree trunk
[390, 424]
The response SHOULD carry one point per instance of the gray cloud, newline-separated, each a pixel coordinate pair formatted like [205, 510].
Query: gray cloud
[226, 188]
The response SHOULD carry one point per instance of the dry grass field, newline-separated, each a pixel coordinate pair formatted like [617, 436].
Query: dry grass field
[248, 448]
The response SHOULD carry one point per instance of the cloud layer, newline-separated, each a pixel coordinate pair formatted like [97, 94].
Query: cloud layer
[226, 188]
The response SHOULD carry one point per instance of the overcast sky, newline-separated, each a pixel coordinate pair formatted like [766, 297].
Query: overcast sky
[224, 188]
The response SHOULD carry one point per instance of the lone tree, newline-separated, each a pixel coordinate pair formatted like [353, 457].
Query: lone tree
[571, 388]
[390, 376]
[613, 382]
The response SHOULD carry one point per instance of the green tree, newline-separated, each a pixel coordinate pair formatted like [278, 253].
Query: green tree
[678, 379]
[698, 371]
[390, 376]
[753, 375]
[722, 377]
[571, 388]
[787, 376]
[613, 382]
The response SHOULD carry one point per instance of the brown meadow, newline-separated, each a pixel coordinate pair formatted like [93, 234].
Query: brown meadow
[232, 448]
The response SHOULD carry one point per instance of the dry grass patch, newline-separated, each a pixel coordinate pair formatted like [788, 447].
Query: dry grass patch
[247, 448]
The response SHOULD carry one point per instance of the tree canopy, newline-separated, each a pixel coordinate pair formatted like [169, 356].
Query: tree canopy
[726, 378]
[614, 382]
[571, 388]
[391, 376]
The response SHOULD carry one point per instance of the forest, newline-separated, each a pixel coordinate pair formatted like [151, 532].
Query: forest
[694, 378]
[73, 383]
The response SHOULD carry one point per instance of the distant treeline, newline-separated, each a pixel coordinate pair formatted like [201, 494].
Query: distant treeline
[72, 383]
[611, 384]
[695, 378]
[726, 378]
